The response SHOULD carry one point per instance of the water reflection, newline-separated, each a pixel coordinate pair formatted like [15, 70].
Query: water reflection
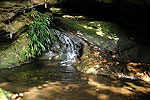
[38, 72]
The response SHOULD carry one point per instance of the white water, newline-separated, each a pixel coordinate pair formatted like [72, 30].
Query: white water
[68, 52]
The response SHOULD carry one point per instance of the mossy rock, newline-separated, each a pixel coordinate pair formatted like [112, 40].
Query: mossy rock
[106, 34]
[14, 54]
[14, 49]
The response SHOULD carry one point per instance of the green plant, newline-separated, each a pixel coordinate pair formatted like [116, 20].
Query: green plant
[39, 34]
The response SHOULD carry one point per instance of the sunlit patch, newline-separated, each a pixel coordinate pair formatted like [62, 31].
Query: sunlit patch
[100, 33]
[87, 27]
[116, 39]
[92, 92]
[73, 17]
[92, 70]
[92, 22]
[146, 78]
[103, 97]
[138, 69]
[84, 26]
[120, 90]
[103, 34]
[96, 66]
[56, 10]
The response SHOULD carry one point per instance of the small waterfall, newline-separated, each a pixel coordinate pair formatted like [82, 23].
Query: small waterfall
[68, 52]
[64, 52]
[65, 49]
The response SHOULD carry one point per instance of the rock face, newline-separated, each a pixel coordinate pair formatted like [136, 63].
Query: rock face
[108, 35]
[14, 16]
[12, 26]
[13, 23]
[11, 10]
[50, 2]
[14, 53]
[131, 13]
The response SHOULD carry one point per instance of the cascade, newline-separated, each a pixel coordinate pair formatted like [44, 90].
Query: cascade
[65, 49]
[69, 51]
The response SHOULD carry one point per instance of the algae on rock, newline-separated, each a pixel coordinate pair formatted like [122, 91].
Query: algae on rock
[108, 35]
[13, 41]
[15, 53]
[105, 34]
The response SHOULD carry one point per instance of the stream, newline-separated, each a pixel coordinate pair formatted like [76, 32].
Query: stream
[59, 75]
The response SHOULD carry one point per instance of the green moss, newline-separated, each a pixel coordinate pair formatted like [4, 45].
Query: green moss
[100, 28]
[5, 95]
[108, 35]
[15, 53]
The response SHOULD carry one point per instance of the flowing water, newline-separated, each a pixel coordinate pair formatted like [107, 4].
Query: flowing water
[53, 77]
[56, 64]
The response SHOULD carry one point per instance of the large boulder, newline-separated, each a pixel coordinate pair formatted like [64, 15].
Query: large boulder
[130, 13]
[12, 38]
[13, 28]
[107, 35]
[13, 41]
[14, 54]
[51, 2]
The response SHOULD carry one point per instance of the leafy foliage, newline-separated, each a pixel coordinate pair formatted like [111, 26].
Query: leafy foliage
[39, 34]
[5, 95]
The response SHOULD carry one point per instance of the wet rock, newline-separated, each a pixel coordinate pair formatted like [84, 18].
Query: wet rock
[7, 3]
[14, 53]
[7, 16]
[49, 2]
[8, 9]
[15, 26]
[12, 40]
[107, 35]
[98, 1]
